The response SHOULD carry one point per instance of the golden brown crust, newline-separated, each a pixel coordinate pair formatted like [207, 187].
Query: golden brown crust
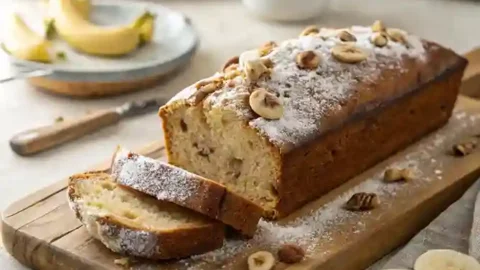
[206, 196]
[332, 159]
[135, 240]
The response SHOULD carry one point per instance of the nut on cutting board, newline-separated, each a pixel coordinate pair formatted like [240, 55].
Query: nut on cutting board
[36, 140]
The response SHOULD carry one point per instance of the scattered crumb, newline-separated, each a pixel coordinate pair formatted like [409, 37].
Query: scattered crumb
[59, 119]
[125, 261]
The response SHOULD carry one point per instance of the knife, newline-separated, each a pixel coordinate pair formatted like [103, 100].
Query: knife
[36, 140]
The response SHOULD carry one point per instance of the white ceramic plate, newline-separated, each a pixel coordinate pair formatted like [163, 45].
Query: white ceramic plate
[174, 42]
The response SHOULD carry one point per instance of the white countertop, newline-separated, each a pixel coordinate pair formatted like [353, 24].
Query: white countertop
[226, 29]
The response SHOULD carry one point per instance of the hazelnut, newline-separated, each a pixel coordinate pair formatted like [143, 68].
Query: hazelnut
[463, 149]
[307, 60]
[309, 30]
[231, 61]
[394, 175]
[346, 36]
[266, 104]
[290, 254]
[378, 26]
[379, 39]
[362, 201]
[267, 48]
[348, 53]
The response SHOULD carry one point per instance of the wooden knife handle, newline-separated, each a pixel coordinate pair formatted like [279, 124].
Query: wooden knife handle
[39, 139]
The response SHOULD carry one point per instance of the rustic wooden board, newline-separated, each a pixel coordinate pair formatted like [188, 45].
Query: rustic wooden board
[41, 232]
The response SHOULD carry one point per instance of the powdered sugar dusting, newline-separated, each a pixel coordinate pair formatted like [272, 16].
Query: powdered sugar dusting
[309, 97]
[153, 177]
[427, 162]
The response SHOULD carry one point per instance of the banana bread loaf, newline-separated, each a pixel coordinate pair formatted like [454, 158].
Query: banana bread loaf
[284, 124]
[173, 184]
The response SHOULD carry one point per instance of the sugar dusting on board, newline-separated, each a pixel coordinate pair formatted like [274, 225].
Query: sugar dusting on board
[315, 227]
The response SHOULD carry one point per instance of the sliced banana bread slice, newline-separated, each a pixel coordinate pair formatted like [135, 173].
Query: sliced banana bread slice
[176, 185]
[132, 223]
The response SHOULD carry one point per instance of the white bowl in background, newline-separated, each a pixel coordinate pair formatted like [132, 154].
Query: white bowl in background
[286, 10]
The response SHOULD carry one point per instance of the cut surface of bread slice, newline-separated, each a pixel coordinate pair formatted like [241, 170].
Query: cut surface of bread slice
[173, 184]
[135, 224]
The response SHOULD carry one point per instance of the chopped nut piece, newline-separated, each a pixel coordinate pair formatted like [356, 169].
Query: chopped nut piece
[348, 53]
[204, 88]
[307, 60]
[394, 175]
[232, 74]
[254, 70]
[379, 39]
[309, 30]
[378, 26]
[463, 149]
[267, 48]
[247, 56]
[266, 104]
[346, 36]
[267, 62]
[231, 84]
[232, 67]
[125, 261]
[231, 61]
[362, 201]
[397, 35]
[261, 260]
[290, 254]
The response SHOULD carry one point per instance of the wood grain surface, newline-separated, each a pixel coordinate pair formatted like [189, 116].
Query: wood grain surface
[41, 232]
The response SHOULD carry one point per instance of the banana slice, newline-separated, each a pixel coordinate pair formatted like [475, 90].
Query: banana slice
[21, 42]
[84, 36]
[439, 259]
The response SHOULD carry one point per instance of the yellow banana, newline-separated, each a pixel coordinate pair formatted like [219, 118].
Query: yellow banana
[145, 24]
[90, 38]
[23, 43]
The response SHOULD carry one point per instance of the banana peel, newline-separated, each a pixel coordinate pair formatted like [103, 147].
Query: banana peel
[23, 43]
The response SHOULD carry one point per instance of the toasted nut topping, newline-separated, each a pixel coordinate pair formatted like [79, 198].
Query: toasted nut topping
[379, 39]
[248, 56]
[362, 201]
[346, 36]
[307, 60]
[378, 26]
[394, 175]
[231, 61]
[232, 67]
[290, 254]
[397, 35]
[232, 74]
[267, 62]
[254, 70]
[309, 30]
[267, 48]
[463, 149]
[231, 84]
[261, 260]
[266, 104]
[348, 53]
[204, 88]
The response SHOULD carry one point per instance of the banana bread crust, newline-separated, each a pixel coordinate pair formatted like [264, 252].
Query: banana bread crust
[168, 183]
[138, 241]
[339, 118]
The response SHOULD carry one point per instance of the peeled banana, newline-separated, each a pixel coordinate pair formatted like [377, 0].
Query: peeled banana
[438, 259]
[23, 43]
[84, 36]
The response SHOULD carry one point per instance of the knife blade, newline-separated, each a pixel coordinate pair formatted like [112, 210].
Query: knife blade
[39, 139]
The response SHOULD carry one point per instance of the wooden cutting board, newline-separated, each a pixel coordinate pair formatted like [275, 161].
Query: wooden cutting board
[41, 232]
